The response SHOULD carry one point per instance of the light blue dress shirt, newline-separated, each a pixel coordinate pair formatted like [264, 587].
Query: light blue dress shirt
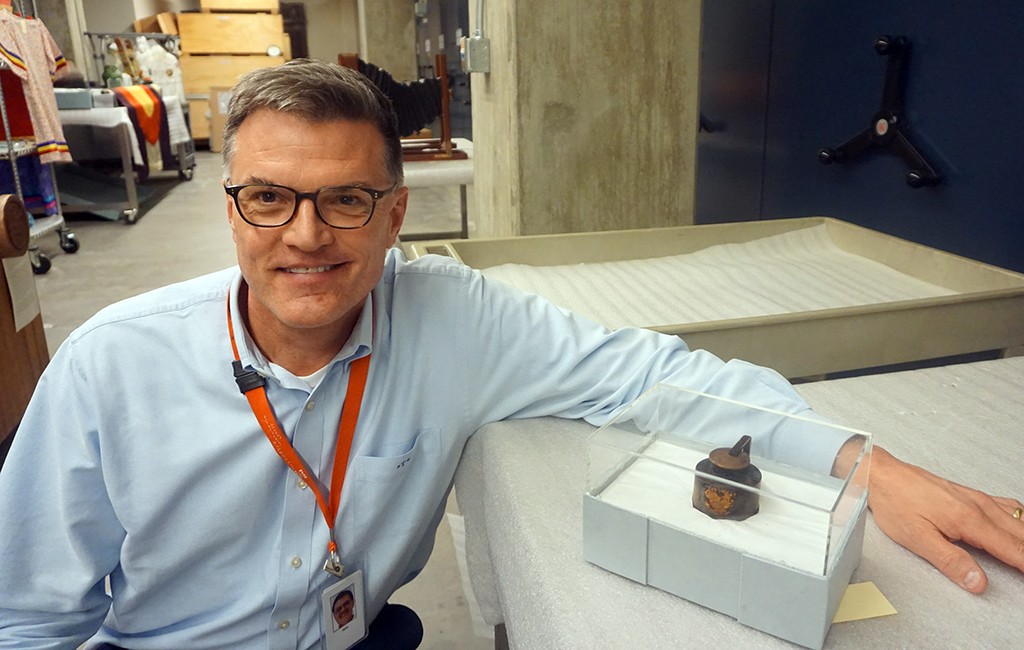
[139, 459]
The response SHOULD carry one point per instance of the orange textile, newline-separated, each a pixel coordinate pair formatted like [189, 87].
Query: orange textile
[149, 119]
[148, 109]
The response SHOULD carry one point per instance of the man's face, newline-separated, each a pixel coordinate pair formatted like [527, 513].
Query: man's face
[344, 610]
[306, 275]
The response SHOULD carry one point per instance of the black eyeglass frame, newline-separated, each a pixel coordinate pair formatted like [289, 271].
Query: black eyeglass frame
[376, 195]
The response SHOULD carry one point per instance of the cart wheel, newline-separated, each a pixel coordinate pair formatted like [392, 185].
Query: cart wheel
[68, 242]
[131, 216]
[186, 174]
[40, 263]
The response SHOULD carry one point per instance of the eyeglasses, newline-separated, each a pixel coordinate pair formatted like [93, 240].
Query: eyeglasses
[272, 206]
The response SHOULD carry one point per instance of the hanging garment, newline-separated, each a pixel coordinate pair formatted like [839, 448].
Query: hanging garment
[37, 187]
[17, 107]
[33, 56]
[149, 118]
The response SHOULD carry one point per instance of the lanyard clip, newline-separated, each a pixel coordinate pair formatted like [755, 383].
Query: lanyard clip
[334, 566]
[247, 380]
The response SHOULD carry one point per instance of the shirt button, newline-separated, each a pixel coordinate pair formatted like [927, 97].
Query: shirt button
[283, 625]
[296, 562]
[310, 405]
[301, 484]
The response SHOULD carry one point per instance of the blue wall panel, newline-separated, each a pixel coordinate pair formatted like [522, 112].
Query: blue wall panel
[963, 108]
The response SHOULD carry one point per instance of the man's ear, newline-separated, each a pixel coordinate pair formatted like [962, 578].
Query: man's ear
[231, 211]
[396, 215]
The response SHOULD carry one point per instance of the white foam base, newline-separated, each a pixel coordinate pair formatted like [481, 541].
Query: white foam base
[784, 531]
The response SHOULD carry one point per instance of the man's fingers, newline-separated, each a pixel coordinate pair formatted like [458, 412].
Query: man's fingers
[1002, 536]
[930, 516]
[1011, 506]
[957, 564]
[987, 525]
[954, 562]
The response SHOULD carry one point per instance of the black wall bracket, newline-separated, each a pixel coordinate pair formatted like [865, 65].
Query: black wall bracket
[887, 128]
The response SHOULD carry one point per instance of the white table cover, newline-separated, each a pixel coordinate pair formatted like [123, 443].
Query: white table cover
[105, 118]
[520, 487]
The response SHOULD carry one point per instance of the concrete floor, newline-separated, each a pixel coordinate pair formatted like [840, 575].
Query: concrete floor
[185, 234]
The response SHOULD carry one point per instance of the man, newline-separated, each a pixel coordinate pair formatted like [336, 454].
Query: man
[140, 459]
[344, 608]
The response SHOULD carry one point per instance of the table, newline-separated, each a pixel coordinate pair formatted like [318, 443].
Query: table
[524, 531]
[117, 120]
[438, 173]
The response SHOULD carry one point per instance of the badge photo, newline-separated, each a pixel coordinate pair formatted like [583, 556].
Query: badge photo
[344, 612]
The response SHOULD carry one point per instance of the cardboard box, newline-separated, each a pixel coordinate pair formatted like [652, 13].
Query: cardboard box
[162, 23]
[168, 22]
[146, 24]
[219, 100]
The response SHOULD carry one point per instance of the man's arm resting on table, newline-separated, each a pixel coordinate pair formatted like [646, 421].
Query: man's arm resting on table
[927, 514]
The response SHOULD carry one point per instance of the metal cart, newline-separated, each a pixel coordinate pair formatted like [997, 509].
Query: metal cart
[100, 43]
[124, 203]
[12, 149]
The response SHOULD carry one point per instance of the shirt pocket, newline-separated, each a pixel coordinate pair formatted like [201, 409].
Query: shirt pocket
[392, 490]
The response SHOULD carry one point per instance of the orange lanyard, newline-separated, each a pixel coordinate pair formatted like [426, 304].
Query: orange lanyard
[252, 385]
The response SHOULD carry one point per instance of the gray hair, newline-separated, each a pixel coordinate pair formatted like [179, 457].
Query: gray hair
[319, 92]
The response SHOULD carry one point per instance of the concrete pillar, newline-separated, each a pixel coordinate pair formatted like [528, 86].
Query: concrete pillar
[387, 36]
[588, 118]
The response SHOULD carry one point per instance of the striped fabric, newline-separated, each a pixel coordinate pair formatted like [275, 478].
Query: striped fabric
[30, 52]
[149, 119]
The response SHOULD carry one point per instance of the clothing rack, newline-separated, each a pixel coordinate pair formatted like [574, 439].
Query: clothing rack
[20, 4]
[16, 148]
[99, 42]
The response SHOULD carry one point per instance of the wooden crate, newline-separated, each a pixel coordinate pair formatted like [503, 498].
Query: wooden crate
[199, 116]
[273, 6]
[200, 73]
[168, 22]
[162, 23]
[230, 33]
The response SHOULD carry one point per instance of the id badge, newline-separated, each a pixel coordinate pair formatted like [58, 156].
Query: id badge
[344, 612]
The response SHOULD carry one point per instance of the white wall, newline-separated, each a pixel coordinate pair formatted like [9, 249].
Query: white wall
[108, 15]
[332, 27]
[145, 8]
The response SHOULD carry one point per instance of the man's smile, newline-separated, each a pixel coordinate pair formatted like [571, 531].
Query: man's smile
[310, 269]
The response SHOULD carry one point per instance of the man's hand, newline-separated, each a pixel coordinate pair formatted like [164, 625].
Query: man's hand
[927, 514]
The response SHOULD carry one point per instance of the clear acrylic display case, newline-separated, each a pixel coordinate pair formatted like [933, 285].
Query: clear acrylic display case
[784, 569]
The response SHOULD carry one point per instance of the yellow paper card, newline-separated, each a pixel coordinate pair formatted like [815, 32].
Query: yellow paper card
[862, 600]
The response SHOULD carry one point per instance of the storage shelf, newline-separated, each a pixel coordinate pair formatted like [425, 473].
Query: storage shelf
[16, 148]
[46, 225]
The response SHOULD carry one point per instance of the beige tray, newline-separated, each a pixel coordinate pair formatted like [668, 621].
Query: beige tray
[986, 312]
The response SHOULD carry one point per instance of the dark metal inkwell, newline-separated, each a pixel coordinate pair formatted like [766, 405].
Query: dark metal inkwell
[721, 500]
